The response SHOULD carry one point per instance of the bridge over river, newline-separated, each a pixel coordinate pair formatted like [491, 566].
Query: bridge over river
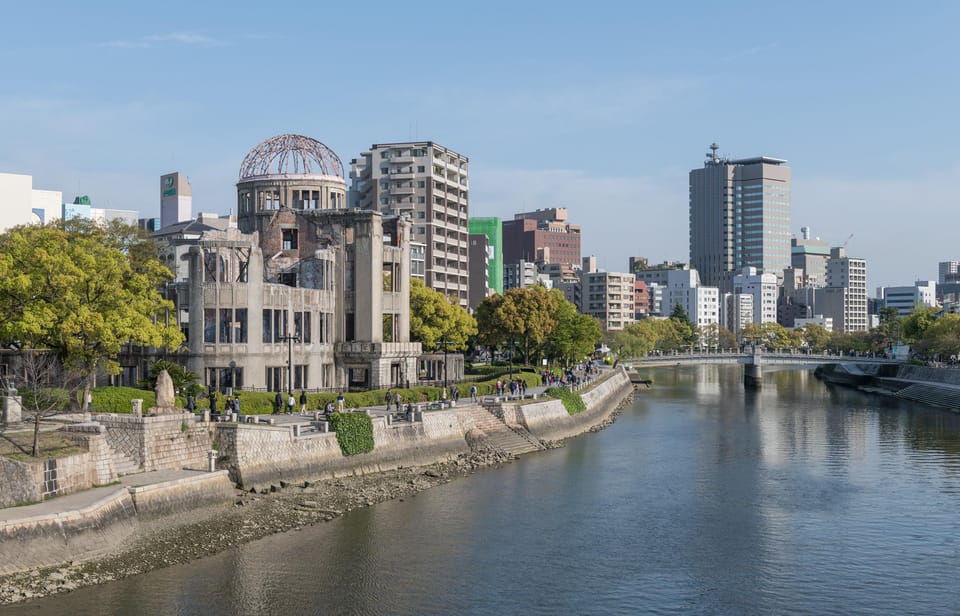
[754, 362]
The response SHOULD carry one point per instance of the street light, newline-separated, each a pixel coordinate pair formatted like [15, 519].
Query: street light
[289, 340]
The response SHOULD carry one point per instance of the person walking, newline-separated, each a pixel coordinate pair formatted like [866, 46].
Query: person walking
[191, 403]
[303, 403]
[340, 402]
[396, 401]
[389, 400]
[473, 392]
[290, 403]
[277, 403]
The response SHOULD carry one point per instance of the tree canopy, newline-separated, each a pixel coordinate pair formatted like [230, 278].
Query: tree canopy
[575, 335]
[83, 291]
[519, 316]
[435, 319]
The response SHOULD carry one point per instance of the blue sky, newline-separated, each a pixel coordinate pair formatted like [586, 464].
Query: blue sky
[602, 108]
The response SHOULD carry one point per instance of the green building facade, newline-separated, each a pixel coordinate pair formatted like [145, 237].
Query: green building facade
[493, 229]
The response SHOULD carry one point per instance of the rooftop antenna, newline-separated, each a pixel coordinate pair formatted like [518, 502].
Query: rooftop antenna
[712, 156]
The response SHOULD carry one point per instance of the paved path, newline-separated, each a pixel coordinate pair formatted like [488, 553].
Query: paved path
[88, 498]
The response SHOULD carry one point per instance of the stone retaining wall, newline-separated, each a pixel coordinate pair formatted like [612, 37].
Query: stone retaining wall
[950, 376]
[259, 455]
[159, 442]
[550, 420]
[55, 538]
[46, 540]
[171, 497]
[34, 481]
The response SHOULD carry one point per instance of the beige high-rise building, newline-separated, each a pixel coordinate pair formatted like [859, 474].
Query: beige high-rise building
[608, 296]
[844, 299]
[429, 183]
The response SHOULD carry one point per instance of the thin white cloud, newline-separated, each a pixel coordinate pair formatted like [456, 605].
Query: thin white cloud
[174, 38]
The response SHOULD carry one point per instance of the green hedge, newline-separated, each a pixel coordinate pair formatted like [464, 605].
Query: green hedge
[354, 432]
[117, 399]
[571, 399]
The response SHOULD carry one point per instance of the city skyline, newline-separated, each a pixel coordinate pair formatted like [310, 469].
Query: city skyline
[601, 112]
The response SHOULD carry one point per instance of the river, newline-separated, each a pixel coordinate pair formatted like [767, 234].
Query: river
[702, 498]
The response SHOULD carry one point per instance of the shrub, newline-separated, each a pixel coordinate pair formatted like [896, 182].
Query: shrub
[117, 399]
[354, 432]
[571, 399]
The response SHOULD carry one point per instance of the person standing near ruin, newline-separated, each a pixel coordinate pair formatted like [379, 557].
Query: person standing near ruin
[290, 403]
[277, 403]
[303, 402]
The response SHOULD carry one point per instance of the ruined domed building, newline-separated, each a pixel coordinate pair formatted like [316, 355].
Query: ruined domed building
[298, 291]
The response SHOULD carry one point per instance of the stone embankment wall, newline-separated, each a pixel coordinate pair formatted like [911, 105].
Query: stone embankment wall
[949, 376]
[31, 482]
[160, 442]
[82, 534]
[259, 455]
[51, 539]
[549, 419]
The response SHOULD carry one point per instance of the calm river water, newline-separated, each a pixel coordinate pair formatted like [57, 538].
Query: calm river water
[701, 499]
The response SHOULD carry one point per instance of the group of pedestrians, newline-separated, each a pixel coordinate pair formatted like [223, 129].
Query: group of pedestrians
[291, 403]
[516, 386]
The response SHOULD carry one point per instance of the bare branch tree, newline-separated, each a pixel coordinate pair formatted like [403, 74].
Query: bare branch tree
[46, 389]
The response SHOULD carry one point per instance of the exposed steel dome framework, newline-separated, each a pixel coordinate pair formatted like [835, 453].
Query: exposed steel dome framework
[290, 154]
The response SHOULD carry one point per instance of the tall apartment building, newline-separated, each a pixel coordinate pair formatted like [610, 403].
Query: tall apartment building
[844, 299]
[739, 217]
[762, 287]
[519, 275]
[701, 303]
[429, 183]
[610, 297]
[542, 236]
[479, 269]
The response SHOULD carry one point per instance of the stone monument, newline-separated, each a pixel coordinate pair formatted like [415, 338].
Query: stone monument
[12, 410]
[166, 401]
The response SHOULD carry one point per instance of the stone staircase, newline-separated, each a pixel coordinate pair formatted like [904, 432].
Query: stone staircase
[122, 463]
[934, 396]
[512, 439]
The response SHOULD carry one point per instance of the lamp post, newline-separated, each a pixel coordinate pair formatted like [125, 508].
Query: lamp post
[289, 340]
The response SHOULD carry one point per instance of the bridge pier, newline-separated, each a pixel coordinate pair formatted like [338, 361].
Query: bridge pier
[753, 373]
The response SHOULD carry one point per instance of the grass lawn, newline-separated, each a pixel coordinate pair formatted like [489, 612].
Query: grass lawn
[18, 445]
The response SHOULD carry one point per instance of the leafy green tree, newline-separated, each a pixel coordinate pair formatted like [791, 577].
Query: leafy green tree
[816, 336]
[915, 324]
[435, 319]
[726, 338]
[519, 316]
[83, 291]
[679, 314]
[575, 336]
[942, 337]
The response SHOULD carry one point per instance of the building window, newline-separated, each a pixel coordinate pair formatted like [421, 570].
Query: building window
[421, 169]
[210, 325]
[240, 325]
[267, 325]
[289, 239]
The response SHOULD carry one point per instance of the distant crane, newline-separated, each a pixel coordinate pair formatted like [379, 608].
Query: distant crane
[847, 241]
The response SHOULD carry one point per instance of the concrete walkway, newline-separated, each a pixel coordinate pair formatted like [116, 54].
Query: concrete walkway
[87, 498]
